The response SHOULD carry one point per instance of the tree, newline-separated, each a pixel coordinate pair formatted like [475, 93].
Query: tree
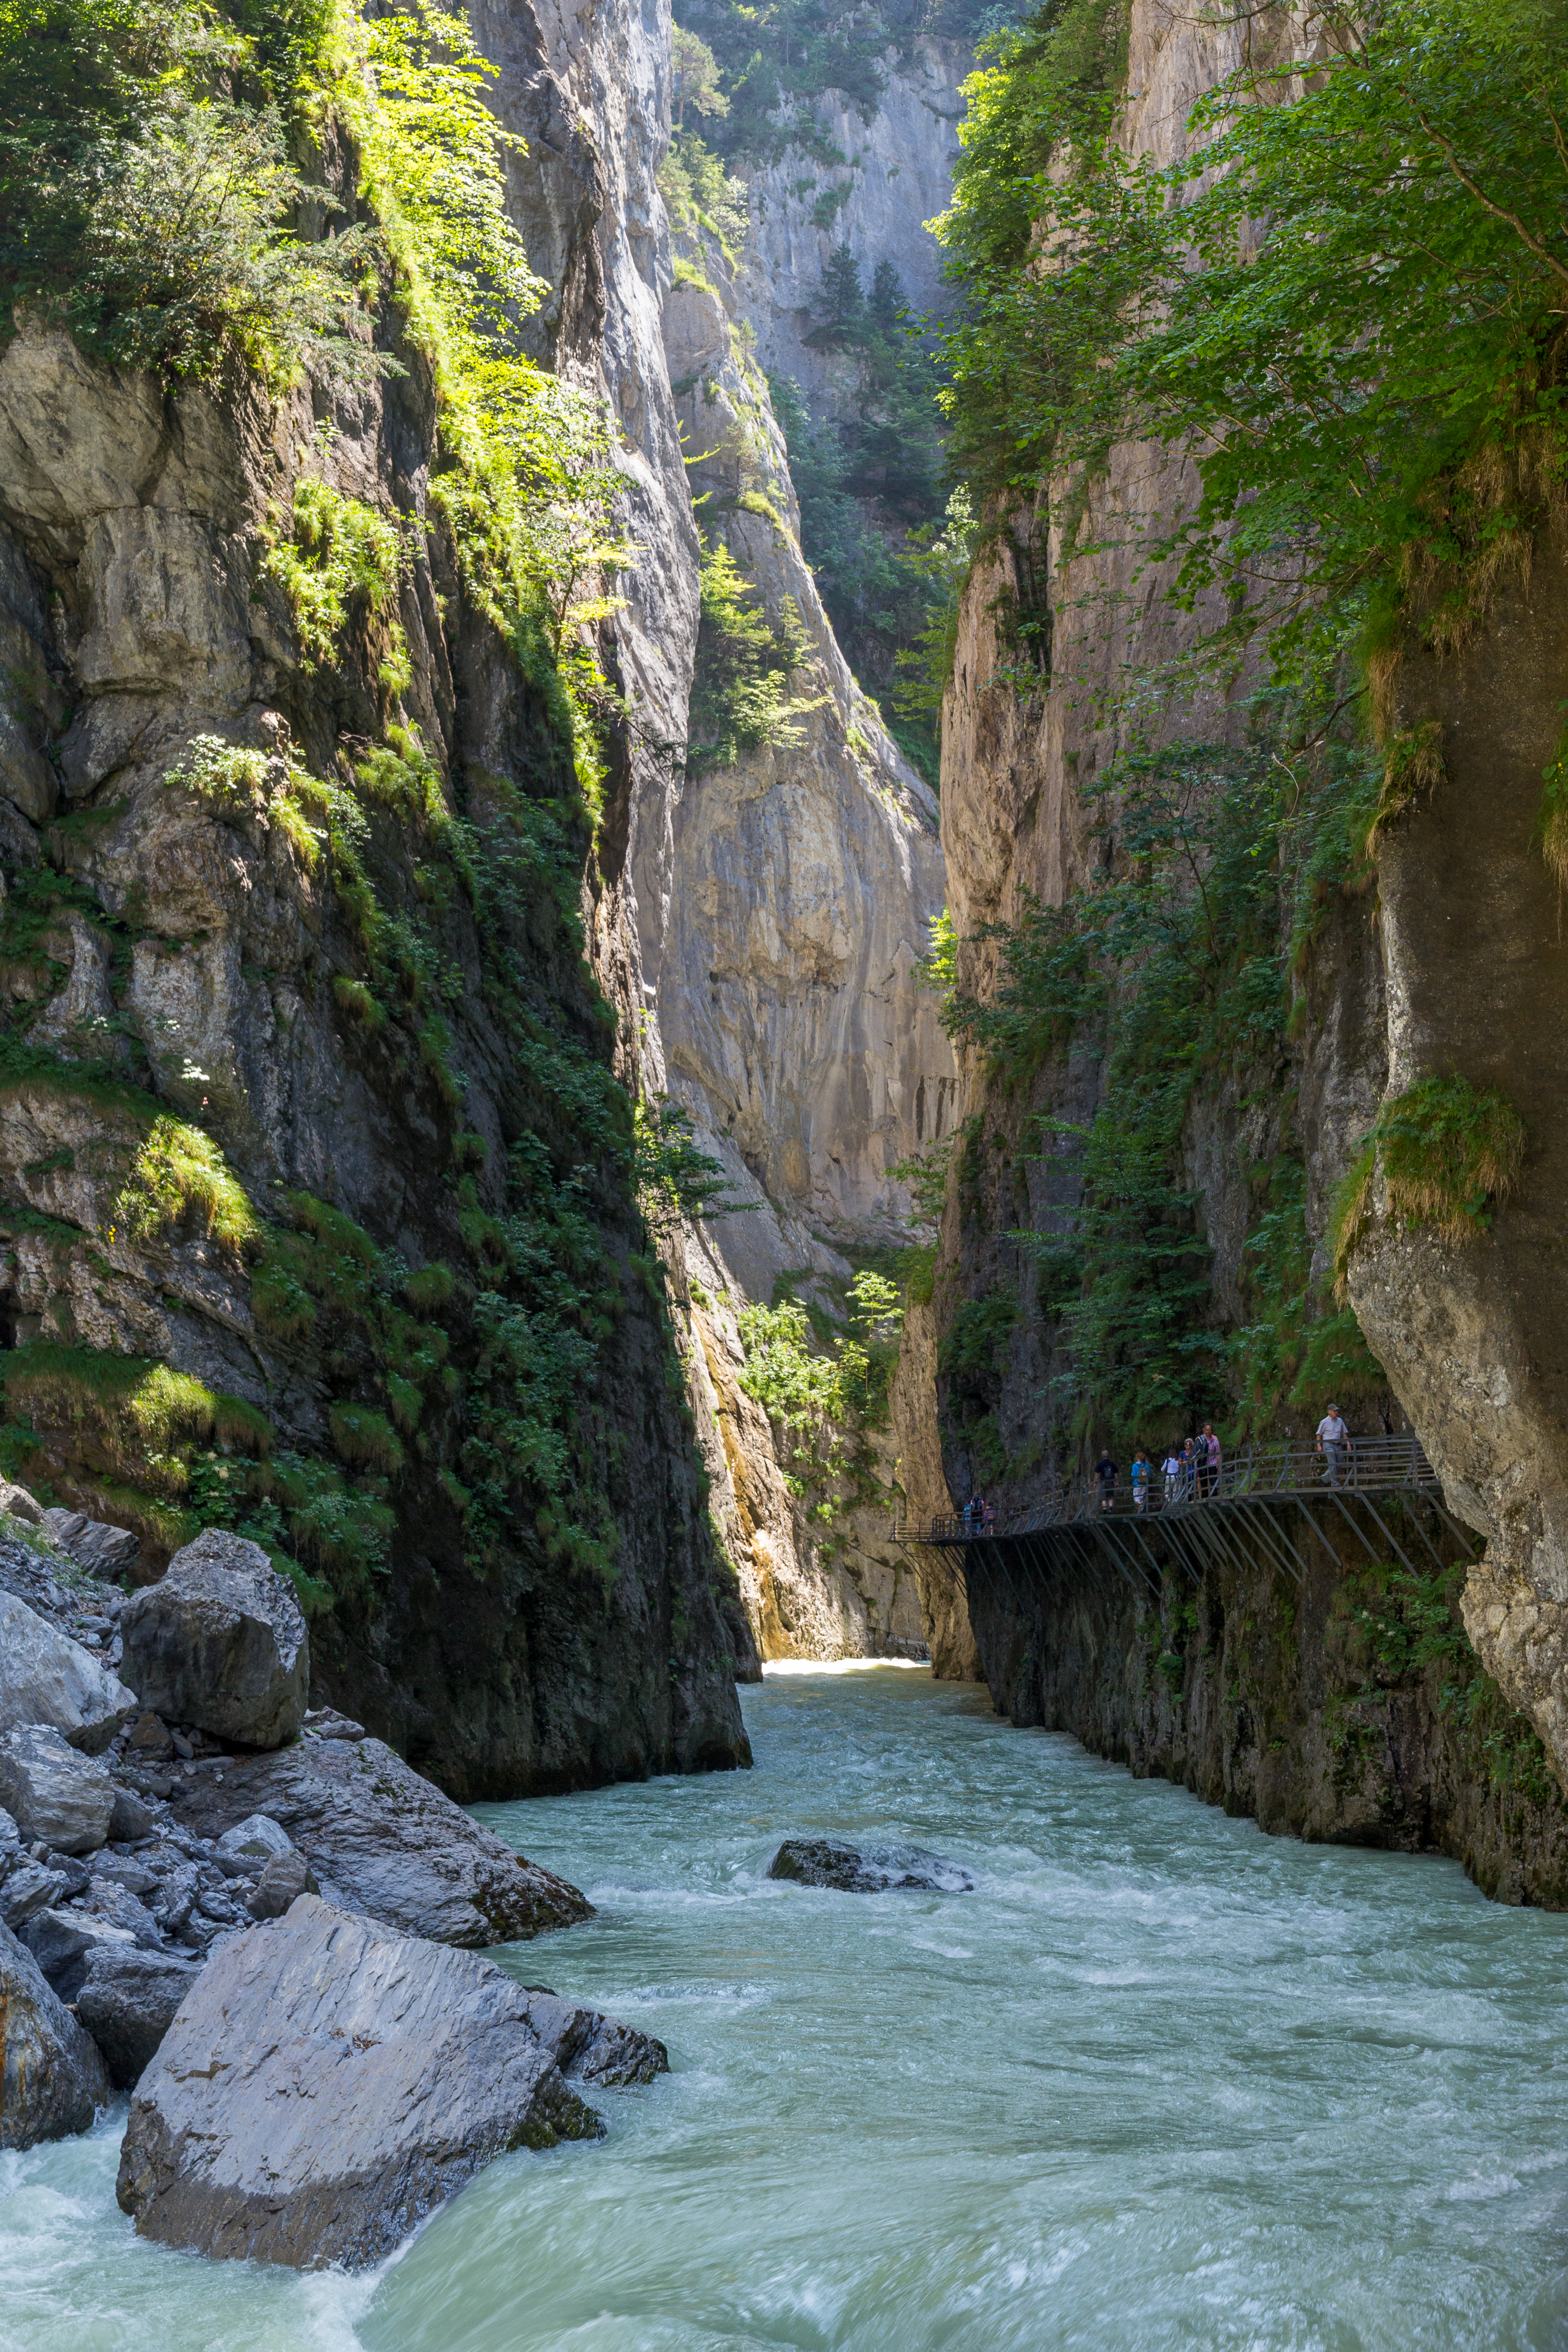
[696, 77]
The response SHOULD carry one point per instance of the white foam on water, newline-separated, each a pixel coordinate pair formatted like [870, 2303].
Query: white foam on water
[1157, 2085]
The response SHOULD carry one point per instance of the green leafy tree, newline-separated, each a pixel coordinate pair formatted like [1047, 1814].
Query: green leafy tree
[741, 697]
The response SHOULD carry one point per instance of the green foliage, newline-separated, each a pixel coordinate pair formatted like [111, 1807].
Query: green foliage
[146, 208]
[1446, 1150]
[741, 698]
[810, 1394]
[871, 484]
[344, 558]
[1410, 1625]
[674, 1181]
[699, 194]
[180, 1172]
[1173, 967]
[1379, 373]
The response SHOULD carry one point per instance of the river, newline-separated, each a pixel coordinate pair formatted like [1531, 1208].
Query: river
[1159, 2081]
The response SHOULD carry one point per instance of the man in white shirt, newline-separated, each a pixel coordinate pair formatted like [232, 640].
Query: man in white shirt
[1332, 1439]
[1172, 1466]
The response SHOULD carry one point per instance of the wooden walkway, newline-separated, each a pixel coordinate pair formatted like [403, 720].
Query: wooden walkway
[1260, 1493]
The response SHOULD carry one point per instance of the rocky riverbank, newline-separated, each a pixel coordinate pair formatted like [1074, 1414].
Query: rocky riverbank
[189, 1849]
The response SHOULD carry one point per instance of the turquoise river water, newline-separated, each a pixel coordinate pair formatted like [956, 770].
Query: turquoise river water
[1159, 2081]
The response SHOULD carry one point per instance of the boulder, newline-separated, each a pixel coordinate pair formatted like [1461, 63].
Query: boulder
[124, 1870]
[17, 1504]
[328, 1724]
[60, 1941]
[27, 1890]
[285, 1877]
[260, 1836]
[383, 1840]
[148, 1741]
[53, 1793]
[220, 1643]
[127, 2000]
[94, 1545]
[131, 1820]
[46, 1677]
[52, 2080]
[819, 1862]
[589, 2047]
[325, 2085]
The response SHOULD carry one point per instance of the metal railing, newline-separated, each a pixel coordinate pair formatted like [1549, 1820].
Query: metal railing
[1380, 1466]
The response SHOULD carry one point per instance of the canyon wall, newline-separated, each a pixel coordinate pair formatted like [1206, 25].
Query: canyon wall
[317, 988]
[1432, 958]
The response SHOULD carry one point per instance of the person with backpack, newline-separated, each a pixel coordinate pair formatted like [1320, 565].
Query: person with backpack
[1105, 1475]
[1140, 1480]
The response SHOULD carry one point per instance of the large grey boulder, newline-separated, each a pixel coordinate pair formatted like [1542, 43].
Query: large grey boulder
[46, 1677]
[103, 1550]
[821, 1861]
[383, 1840]
[53, 1793]
[127, 2000]
[52, 2080]
[325, 2086]
[220, 1642]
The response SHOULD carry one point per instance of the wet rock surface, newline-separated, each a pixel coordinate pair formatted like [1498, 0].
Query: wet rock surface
[432, 2066]
[589, 2047]
[819, 1862]
[52, 2079]
[220, 1642]
[384, 1842]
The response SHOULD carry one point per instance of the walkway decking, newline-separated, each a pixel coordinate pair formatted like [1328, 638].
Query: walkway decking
[1200, 1519]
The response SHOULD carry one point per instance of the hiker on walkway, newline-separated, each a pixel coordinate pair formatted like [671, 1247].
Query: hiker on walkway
[1105, 1472]
[974, 1512]
[1212, 1460]
[1190, 1469]
[1140, 1480]
[1172, 1466]
[1333, 1443]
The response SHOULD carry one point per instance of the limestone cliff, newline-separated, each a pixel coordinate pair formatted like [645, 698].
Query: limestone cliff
[1432, 961]
[293, 1052]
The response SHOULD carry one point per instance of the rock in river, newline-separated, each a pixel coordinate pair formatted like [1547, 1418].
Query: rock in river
[51, 2076]
[818, 1861]
[46, 1677]
[220, 1642]
[382, 1840]
[326, 2085]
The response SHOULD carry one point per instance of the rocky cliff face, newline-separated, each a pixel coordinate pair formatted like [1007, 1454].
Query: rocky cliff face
[1471, 947]
[275, 1055]
[1431, 968]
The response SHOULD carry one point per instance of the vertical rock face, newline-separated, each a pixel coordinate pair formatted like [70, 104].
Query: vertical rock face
[895, 176]
[211, 961]
[1472, 1332]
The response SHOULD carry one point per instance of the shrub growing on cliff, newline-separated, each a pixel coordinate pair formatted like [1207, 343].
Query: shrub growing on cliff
[1448, 1151]
[741, 698]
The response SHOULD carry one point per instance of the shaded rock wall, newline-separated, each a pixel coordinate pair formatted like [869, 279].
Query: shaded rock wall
[204, 955]
[1306, 1706]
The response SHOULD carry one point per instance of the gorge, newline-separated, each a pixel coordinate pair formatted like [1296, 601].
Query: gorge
[759, 777]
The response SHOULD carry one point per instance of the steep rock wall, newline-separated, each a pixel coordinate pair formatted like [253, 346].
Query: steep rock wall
[195, 948]
[1336, 1710]
[1471, 922]
[805, 878]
